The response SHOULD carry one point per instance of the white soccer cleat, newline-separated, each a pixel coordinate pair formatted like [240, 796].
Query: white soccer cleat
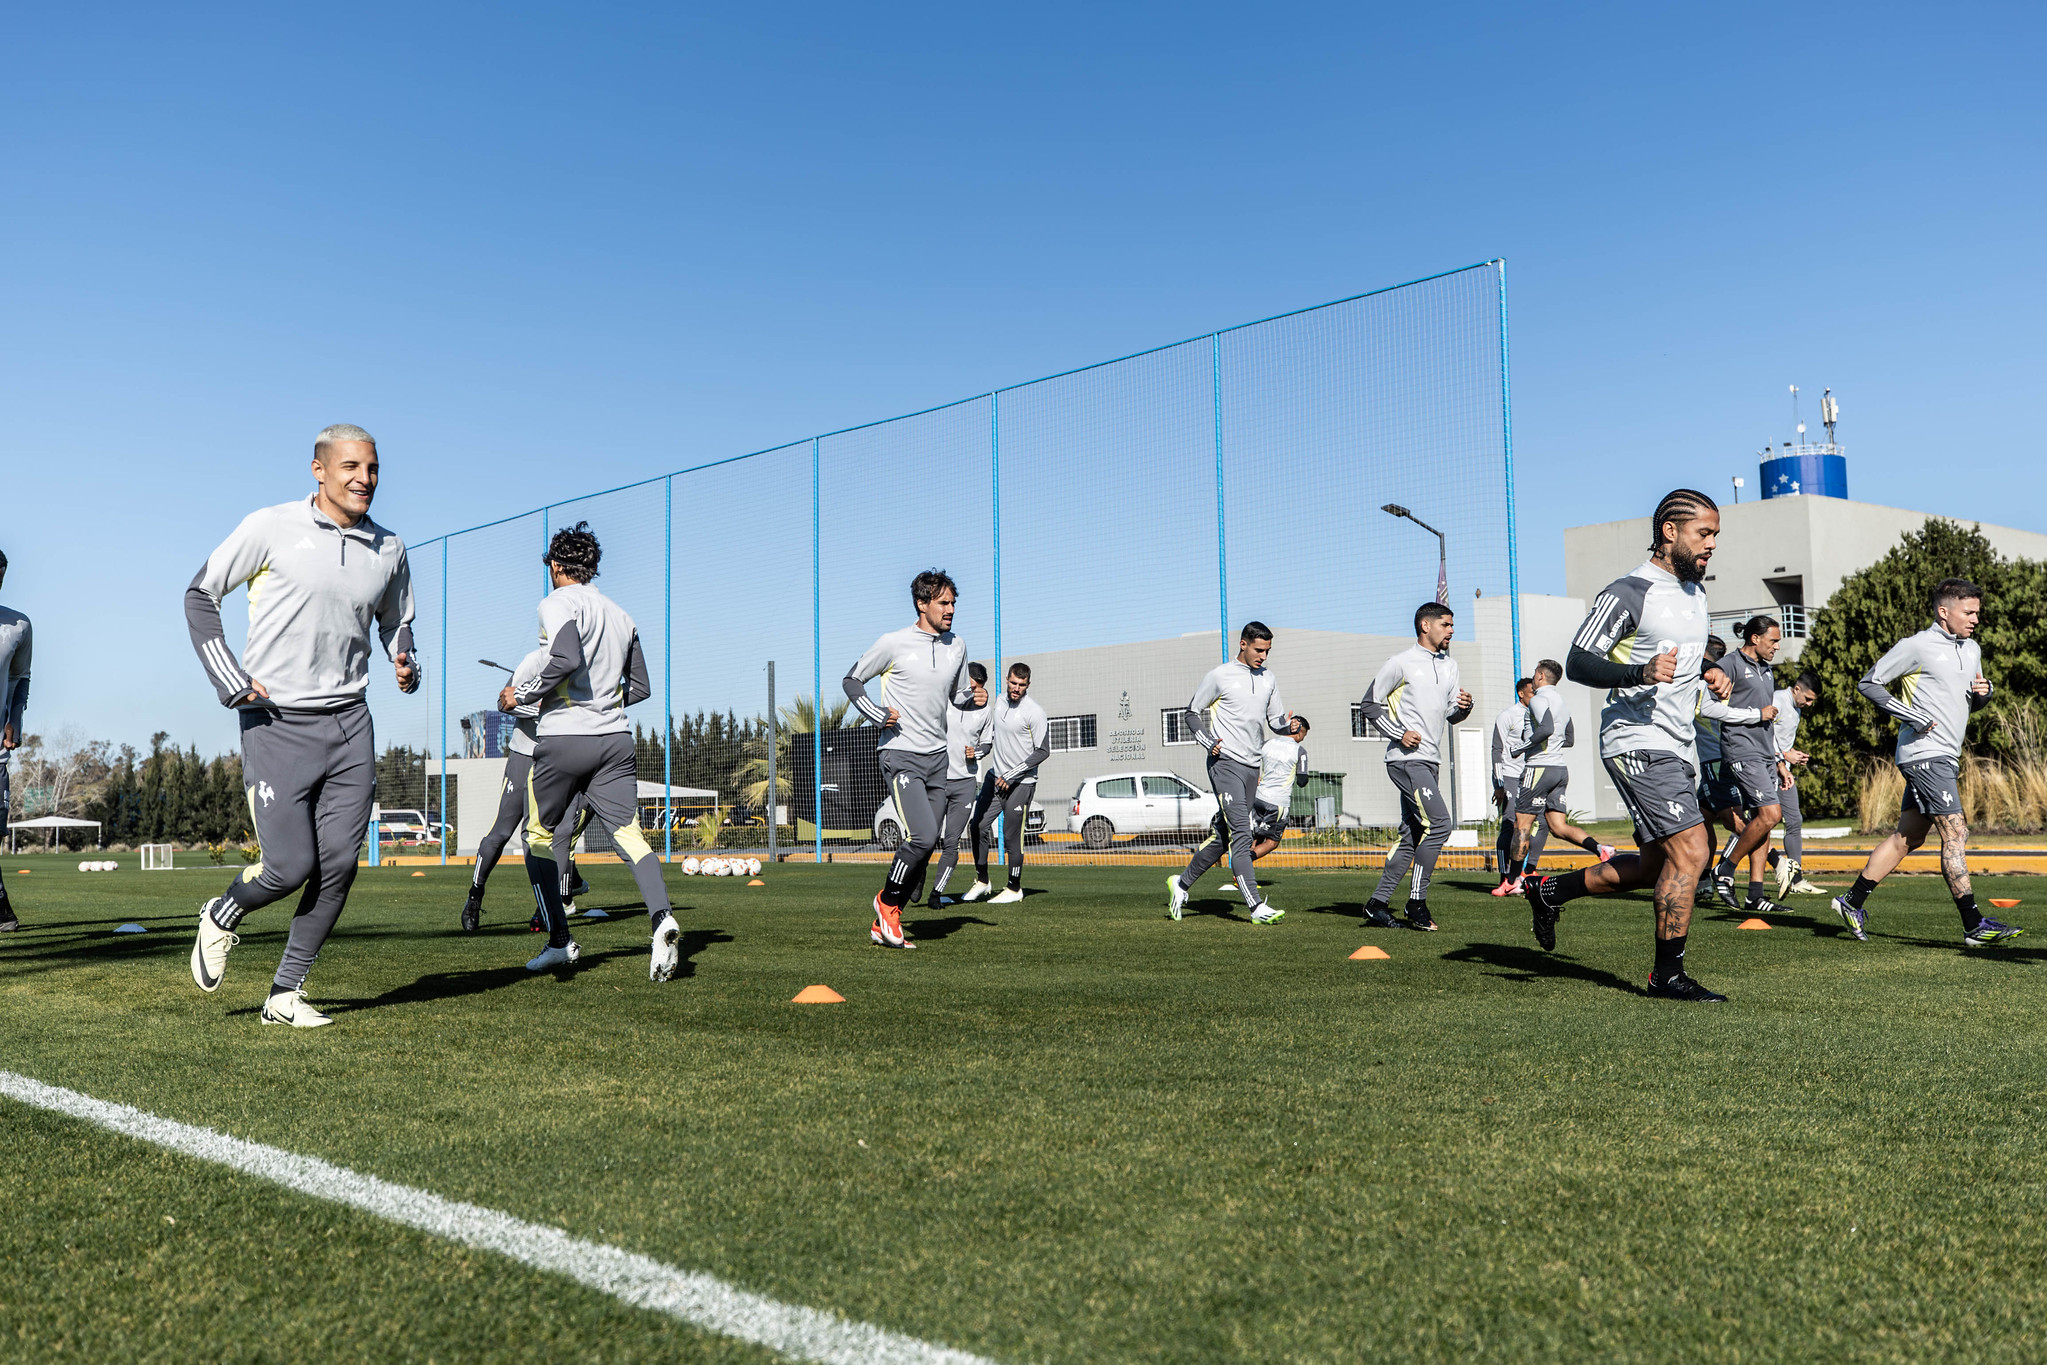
[1008, 895]
[667, 950]
[210, 949]
[292, 1007]
[977, 892]
[568, 909]
[1267, 914]
[1786, 870]
[555, 957]
[1176, 897]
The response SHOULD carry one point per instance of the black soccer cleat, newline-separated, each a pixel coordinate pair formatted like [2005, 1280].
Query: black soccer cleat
[1542, 912]
[1678, 986]
[8, 922]
[472, 913]
[538, 924]
[576, 887]
[1763, 905]
[1380, 916]
[1416, 916]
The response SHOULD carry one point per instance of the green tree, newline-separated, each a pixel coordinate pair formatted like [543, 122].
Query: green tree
[1882, 604]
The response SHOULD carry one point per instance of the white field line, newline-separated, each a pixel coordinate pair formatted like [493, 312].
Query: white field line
[694, 1297]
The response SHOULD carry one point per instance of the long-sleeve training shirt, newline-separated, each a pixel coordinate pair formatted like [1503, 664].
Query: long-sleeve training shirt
[920, 675]
[1784, 730]
[1713, 713]
[1634, 619]
[1932, 701]
[315, 591]
[1237, 705]
[1550, 729]
[16, 647]
[1282, 766]
[526, 715]
[1415, 690]
[963, 728]
[1019, 739]
[594, 668]
[1510, 732]
[1750, 740]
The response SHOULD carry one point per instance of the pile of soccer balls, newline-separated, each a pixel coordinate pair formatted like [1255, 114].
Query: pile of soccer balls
[721, 867]
[107, 866]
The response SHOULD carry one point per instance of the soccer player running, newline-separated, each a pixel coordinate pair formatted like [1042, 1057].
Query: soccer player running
[922, 670]
[1415, 693]
[1510, 732]
[1792, 702]
[322, 576]
[1644, 640]
[1940, 682]
[512, 811]
[1719, 798]
[1282, 766]
[1231, 715]
[1545, 784]
[964, 730]
[1749, 749]
[592, 671]
[16, 648]
[1018, 740]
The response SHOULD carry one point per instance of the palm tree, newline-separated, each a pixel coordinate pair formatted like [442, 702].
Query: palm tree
[797, 718]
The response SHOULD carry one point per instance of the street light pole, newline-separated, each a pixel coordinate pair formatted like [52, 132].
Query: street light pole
[1442, 550]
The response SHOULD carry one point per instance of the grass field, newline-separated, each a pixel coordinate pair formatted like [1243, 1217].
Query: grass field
[1060, 1131]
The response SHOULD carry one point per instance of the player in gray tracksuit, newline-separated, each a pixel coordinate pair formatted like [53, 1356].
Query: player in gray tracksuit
[1932, 682]
[1543, 807]
[322, 577]
[512, 810]
[1415, 694]
[1018, 740]
[15, 650]
[1508, 762]
[964, 732]
[919, 670]
[1643, 641]
[1749, 751]
[1230, 715]
[1792, 702]
[594, 670]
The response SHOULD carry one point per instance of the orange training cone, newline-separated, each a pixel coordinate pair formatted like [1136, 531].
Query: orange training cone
[419, 874]
[1370, 954]
[2003, 904]
[1753, 924]
[817, 995]
[756, 882]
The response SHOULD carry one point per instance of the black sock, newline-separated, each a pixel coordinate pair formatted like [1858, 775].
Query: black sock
[1970, 918]
[547, 895]
[228, 914]
[1016, 877]
[1590, 845]
[1755, 894]
[1859, 892]
[1568, 887]
[895, 892]
[1670, 957]
[1417, 905]
[1775, 857]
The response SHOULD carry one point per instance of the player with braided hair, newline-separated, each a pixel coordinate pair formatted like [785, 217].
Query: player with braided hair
[1643, 641]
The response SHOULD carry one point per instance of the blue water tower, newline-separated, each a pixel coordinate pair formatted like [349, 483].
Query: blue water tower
[1813, 468]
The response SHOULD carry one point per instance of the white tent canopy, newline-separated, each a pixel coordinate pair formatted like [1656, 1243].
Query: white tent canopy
[52, 823]
[653, 791]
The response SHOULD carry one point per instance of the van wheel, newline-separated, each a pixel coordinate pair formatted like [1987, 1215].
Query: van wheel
[891, 836]
[1097, 833]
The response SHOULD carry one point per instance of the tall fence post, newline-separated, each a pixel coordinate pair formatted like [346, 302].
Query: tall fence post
[816, 669]
[774, 740]
[995, 478]
[441, 662]
[1222, 557]
[1507, 439]
[668, 668]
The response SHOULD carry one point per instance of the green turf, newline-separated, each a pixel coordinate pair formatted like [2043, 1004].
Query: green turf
[1064, 1130]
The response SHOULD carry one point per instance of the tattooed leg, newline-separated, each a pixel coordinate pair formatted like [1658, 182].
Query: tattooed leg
[1954, 847]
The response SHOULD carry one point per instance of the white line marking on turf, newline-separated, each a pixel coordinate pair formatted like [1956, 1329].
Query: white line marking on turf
[694, 1297]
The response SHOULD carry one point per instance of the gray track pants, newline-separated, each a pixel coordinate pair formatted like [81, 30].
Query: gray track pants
[512, 813]
[1424, 829]
[1794, 825]
[1236, 787]
[916, 783]
[959, 808]
[311, 778]
[1010, 807]
[603, 770]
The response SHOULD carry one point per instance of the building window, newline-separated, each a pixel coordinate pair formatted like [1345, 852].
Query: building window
[1173, 722]
[1070, 732]
[1358, 727]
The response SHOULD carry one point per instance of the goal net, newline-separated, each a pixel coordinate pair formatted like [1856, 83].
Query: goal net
[156, 857]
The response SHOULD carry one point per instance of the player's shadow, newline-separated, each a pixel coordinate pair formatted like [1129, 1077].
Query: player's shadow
[2020, 957]
[1514, 962]
[1818, 928]
[456, 985]
[692, 943]
[931, 930]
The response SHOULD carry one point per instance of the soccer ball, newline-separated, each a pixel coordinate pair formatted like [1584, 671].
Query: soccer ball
[753, 867]
[88, 867]
[690, 867]
[109, 865]
[724, 868]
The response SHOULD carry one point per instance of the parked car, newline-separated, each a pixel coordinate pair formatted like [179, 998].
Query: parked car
[1128, 804]
[888, 831]
[409, 826]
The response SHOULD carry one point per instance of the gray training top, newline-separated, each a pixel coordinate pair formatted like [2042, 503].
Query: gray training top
[1784, 730]
[921, 674]
[15, 648]
[961, 729]
[1932, 670]
[1748, 740]
[1510, 732]
[1236, 704]
[315, 588]
[1547, 739]
[1019, 737]
[1635, 618]
[594, 667]
[1415, 690]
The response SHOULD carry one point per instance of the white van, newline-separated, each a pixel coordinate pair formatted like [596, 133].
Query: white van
[1125, 804]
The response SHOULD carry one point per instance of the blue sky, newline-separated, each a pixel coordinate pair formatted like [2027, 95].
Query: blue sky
[563, 248]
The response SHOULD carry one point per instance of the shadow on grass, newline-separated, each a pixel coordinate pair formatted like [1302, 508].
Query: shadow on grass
[2021, 957]
[931, 930]
[1523, 964]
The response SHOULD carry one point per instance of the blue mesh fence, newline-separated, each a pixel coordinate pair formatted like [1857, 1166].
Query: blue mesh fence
[1112, 527]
